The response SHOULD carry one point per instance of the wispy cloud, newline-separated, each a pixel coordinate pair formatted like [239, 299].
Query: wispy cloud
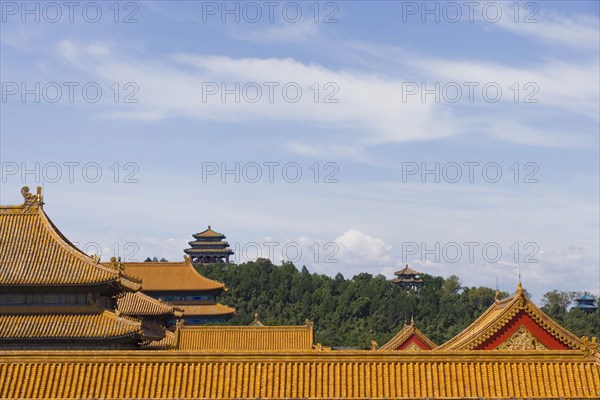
[299, 32]
[369, 109]
[578, 31]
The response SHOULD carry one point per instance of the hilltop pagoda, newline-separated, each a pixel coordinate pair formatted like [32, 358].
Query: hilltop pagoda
[209, 247]
[408, 278]
[586, 303]
[54, 296]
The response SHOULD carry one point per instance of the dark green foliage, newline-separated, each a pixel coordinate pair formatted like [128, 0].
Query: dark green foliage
[154, 259]
[352, 312]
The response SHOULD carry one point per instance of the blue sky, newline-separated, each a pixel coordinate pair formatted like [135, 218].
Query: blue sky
[369, 94]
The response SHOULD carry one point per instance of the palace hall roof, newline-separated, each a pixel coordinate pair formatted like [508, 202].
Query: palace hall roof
[171, 276]
[102, 326]
[139, 304]
[409, 338]
[35, 253]
[151, 374]
[246, 338]
[510, 321]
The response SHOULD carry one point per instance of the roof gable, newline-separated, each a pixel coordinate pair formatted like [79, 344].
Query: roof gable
[409, 338]
[496, 327]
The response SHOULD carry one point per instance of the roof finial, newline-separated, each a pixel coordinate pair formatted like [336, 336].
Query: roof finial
[497, 296]
[209, 227]
[31, 201]
[519, 288]
[412, 321]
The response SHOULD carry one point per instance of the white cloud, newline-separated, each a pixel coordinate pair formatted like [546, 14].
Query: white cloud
[357, 248]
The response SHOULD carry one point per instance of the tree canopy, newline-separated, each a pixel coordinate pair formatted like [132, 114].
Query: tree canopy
[352, 312]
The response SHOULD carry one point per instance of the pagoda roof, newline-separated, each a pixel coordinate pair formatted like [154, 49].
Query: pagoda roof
[195, 250]
[208, 233]
[514, 315]
[409, 338]
[152, 374]
[105, 325]
[246, 338]
[139, 304]
[407, 271]
[35, 253]
[585, 297]
[171, 276]
[206, 309]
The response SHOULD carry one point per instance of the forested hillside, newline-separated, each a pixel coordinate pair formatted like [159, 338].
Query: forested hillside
[352, 312]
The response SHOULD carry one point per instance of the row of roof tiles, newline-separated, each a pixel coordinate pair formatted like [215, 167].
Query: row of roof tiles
[348, 375]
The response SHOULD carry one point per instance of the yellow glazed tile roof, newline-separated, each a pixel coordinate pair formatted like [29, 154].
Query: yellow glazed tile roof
[499, 315]
[138, 304]
[406, 334]
[105, 325]
[315, 375]
[246, 338]
[171, 276]
[34, 252]
[206, 309]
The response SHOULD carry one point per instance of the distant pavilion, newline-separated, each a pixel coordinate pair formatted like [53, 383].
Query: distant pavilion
[408, 278]
[209, 246]
[586, 303]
